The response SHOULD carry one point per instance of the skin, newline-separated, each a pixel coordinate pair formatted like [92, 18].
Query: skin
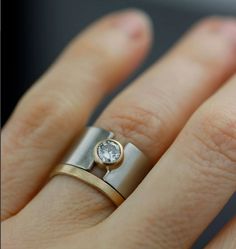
[181, 113]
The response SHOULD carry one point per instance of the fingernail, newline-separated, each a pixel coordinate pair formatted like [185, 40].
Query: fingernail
[228, 28]
[133, 22]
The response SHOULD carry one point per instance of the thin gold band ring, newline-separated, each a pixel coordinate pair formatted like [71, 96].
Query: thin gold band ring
[63, 169]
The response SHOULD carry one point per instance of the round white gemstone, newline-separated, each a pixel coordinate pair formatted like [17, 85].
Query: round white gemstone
[109, 151]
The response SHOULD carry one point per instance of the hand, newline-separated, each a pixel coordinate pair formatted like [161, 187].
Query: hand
[182, 111]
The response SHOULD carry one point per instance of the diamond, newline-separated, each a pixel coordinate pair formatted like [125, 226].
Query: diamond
[109, 151]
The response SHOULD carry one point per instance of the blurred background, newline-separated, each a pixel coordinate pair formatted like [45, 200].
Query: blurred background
[36, 32]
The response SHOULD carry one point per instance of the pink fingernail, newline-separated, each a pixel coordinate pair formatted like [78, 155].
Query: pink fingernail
[132, 23]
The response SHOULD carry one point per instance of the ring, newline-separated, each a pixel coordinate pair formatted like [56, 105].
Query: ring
[99, 160]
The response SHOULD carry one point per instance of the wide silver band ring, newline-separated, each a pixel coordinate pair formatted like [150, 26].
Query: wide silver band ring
[98, 159]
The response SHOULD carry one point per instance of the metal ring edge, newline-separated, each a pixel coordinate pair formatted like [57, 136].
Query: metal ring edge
[87, 177]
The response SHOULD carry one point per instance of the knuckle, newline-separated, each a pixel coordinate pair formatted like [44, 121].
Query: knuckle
[215, 136]
[45, 118]
[136, 124]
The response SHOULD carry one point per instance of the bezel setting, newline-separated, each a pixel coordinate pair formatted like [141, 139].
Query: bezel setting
[101, 159]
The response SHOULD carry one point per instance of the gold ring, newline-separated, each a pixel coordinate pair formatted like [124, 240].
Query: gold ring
[63, 169]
